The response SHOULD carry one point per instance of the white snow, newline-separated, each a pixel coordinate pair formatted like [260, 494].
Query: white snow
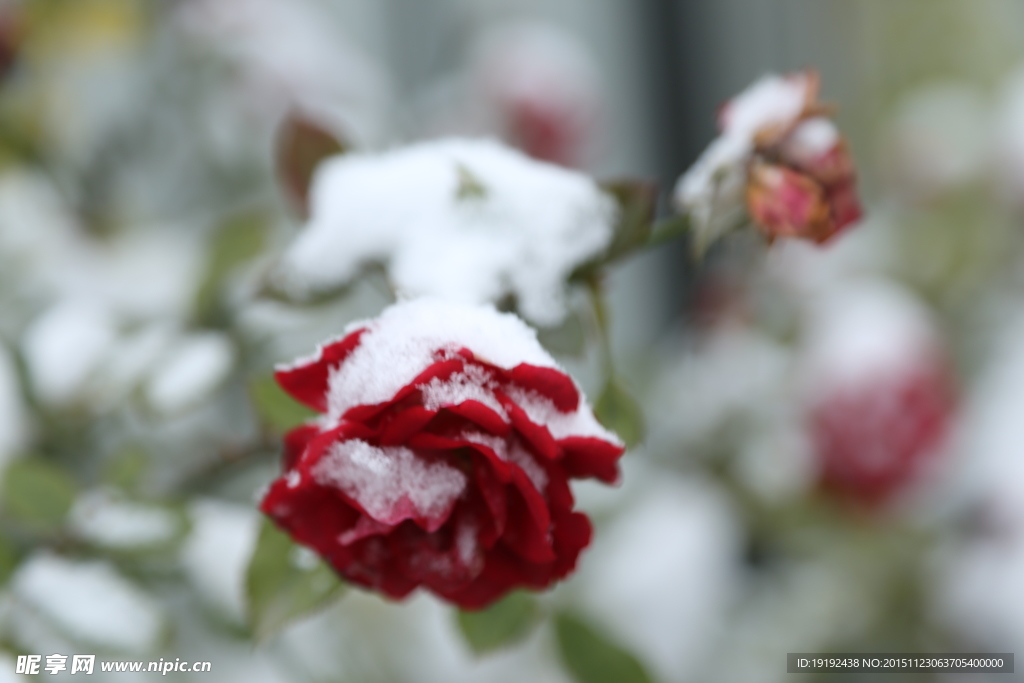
[103, 519]
[468, 220]
[217, 552]
[198, 365]
[35, 231]
[406, 339]
[811, 139]
[979, 586]
[862, 330]
[472, 384]
[511, 451]
[661, 577]
[529, 61]
[711, 191]
[294, 53]
[391, 483]
[132, 357]
[734, 372]
[542, 411]
[357, 641]
[64, 347]
[771, 101]
[89, 601]
[942, 136]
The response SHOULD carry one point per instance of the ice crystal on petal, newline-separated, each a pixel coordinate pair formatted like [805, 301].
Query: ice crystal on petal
[381, 479]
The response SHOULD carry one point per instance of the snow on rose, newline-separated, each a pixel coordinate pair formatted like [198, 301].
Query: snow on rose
[442, 457]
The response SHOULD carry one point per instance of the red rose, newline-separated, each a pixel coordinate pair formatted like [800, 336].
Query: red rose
[443, 455]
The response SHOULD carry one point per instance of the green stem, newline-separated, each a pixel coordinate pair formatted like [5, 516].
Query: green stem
[668, 229]
[601, 317]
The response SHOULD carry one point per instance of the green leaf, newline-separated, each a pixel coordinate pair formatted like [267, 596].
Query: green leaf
[592, 658]
[502, 624]
[236, 241]
[637, 201]
[301, 146]
[37, 494]
[470, 186]
[285, 582]
[279, 411]
[619, 412]
[125, 468]
[8, 560]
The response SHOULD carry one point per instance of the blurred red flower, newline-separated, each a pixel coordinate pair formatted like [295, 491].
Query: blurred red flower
[873, 439]
[883, 392]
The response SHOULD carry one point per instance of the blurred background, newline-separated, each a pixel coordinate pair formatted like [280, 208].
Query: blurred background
[833, 457]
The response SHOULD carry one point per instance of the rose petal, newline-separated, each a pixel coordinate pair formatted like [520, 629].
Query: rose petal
[307, 381]
[404, 424]
[440, 370]
[548, 382]
[786, 203]
[492, 490]
[295, 443]
[536, 435]
[525, 534]
[590, 457]
[480, 414]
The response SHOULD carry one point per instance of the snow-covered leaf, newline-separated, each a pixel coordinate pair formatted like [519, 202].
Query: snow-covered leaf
[105, 519]
[238, 239]
[88, 601]
[196, 367]
[461, 219]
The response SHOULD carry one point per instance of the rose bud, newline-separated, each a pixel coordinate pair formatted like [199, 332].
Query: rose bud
[781, 159]
[443, 455]
[881, 398]
[786, 203]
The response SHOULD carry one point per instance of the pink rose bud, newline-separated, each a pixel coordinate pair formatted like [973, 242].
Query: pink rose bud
[782, 156]
[786, 203]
